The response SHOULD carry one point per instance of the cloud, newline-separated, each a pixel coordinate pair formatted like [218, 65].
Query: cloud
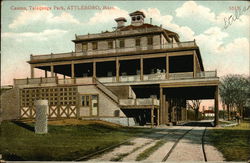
[30, 17]
[185, 32]
[192, 9]
[106, 16]
[231, 57]
[40, 36]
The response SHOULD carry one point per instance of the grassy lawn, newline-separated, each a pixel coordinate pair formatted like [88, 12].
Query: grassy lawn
[233, 142]
[63, 142]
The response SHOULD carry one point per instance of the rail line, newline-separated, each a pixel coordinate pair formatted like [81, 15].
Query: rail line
[175, 144]
[88, 156]
[178, 140]
[203, 144]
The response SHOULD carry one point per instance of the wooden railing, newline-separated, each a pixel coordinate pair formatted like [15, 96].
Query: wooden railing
[139, 102]
[115, 50]
[104, 89]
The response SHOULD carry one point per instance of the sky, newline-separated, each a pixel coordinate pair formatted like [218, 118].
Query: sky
[44, 27]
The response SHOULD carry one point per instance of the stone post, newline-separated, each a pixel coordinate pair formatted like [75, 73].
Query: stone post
[41, 124]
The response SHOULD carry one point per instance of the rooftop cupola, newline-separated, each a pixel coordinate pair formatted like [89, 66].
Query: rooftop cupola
[120, 22]
[137, 18]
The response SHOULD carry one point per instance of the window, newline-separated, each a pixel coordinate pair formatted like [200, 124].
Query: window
[85, 100]
[150, 40]
[84, 46]
[94, 46]
[137, 42]
[133, 18]
[122, 44]
[138, 17]
[110, 45]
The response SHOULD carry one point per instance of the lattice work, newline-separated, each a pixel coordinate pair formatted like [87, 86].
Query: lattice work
[63, 101]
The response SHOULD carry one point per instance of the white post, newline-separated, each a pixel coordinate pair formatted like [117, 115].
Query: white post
[41, 124]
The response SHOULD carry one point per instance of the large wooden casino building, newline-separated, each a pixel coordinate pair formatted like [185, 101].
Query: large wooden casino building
[137, 74]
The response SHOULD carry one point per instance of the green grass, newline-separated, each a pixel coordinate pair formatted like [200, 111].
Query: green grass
[146, 153]
[233, 142]
[61, 143]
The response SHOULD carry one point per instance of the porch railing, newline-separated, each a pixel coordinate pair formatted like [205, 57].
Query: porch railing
[115, 50]
[138, 102]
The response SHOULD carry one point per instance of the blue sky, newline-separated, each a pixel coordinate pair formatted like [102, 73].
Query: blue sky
[26, 32]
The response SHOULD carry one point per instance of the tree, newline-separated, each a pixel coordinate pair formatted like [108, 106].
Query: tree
[233, 92]
[195, 105]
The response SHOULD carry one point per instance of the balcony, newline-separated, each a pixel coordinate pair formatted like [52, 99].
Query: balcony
[139, 102]
[114, 51]
[156, 77]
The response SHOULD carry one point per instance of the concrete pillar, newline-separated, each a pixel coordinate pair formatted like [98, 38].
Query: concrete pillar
[32, 73]
[141, 66]
[41, 124]
[52, 70]
[72, 70]
[117, 70]
[216, 106]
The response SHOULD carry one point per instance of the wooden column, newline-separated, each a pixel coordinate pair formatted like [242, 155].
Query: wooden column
[167, 67]
[161, 105]
[117, 70]
[94, 69]
[46, 73]
[194, 64]
[32, 73]
[152, 116]
[158, 116]
[216, 106]
[164, 109]
[141, 65]
[72, 70]
[52, 70]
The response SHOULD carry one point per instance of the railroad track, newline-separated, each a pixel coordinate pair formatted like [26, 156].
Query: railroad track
[181, 137]
[94, 154]
[97, 153]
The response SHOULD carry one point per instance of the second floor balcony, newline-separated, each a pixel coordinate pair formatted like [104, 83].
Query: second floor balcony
[127, 79]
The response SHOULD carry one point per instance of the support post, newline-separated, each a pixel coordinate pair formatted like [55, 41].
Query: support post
[94, 69]
[46, 73]
[216, 106]
[167, 67]
[32, 71]
[141, 65]
[164, 109]
[161, 104]
[158, 116]
[52, 70]
[72, 70]
[117, 70]
[194, 64]
[152, 116]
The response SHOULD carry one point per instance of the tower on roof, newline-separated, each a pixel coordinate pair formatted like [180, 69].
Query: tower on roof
[137, 18]
[120, 22]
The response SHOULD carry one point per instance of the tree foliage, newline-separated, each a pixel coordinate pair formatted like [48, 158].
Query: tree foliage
[195, 105]
[234, 91]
